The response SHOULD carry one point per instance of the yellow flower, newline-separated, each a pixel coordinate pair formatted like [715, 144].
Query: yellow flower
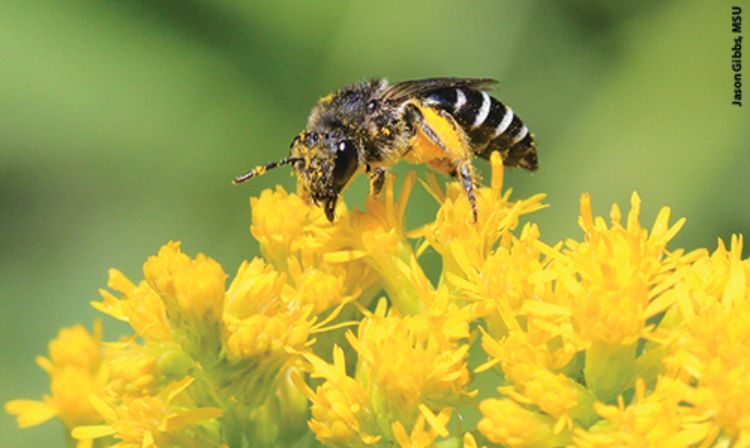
[75, 347]
[409, 373]
[508, 423]
[456, 237]
[613, 283]
[342, 414]
[656, 420]
[132, 370]
[257, 321]
[378, 236]
[323, 290]
[411, 363]
[422, 435]
[612, 279]
[139, 370]
[139, 306]
[613, 340]
[76, 372]
[256, 287]
[597, 297]
[155, 421]
[301, 228]
[302, 242]
[192, 290]
[265, 328]
[514, 282]
[537, 381]
[712, 350]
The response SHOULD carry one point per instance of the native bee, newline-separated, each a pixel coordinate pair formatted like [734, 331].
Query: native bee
[369, 126]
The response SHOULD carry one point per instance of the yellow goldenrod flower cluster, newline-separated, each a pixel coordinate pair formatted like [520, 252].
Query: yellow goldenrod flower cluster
[338, 336]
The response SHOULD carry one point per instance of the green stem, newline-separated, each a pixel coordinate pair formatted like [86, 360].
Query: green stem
[233, 433]
[609, 369]
[402, 289]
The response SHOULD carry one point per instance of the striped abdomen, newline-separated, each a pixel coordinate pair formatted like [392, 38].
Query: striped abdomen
[490, 125]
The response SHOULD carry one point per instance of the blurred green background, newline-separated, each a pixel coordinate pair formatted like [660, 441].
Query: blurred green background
[122, 123]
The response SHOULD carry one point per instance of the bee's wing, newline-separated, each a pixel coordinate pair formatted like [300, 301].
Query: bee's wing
[409, 89]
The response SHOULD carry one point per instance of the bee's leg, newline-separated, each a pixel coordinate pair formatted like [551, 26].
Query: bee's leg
[377, 178]
[444, 166]
[466, 174]
[302, 193]
[461, 168]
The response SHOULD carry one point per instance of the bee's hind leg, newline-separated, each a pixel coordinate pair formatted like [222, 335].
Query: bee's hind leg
[460, 169]
[377, 178]
[465, 172]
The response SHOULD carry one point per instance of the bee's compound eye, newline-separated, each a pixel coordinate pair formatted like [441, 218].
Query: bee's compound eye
[310, 139]
[345, 164]
[373, 105]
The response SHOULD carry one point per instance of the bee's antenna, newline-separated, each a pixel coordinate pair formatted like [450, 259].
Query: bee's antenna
[261, 170]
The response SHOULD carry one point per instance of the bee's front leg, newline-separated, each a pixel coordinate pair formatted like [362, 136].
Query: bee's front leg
[304, 194]
[377, 178]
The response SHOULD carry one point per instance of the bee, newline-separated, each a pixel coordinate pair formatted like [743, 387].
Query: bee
[369, 126]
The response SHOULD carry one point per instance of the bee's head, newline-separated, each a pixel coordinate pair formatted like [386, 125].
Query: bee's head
[324, 164]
